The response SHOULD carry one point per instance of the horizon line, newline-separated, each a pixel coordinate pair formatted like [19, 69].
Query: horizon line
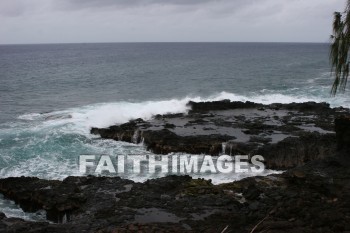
[168, 42]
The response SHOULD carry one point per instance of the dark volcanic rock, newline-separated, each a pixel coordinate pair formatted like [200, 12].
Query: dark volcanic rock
[307, 106]
[165, 141]
[296, 151]
[124, 132]
[342, 128]
[287, 135]
[310, 198]
[220, 105]
[60, 200]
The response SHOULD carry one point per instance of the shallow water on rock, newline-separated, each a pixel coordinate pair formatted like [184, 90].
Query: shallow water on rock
[10, 209]
[150, 215]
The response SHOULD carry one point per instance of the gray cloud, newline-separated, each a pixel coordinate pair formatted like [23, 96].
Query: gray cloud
[36, 21]
[132, 3]
[12, 8]
[233, 5]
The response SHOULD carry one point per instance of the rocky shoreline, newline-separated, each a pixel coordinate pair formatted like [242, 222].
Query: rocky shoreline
[311, 196]
[287, 135]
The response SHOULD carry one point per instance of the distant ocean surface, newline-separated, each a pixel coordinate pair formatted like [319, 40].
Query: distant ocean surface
[50, 95]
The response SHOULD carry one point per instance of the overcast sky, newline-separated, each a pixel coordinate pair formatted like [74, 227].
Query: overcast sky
[65, 21]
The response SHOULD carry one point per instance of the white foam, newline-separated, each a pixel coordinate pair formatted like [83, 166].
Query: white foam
[263, 99]
[103, 115]
[106, 114]
[48, 144]
[29, 116]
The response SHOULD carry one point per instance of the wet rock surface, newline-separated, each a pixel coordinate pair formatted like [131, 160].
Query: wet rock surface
[310, 198]
[342, 128]
[287, 135]
[312, 195]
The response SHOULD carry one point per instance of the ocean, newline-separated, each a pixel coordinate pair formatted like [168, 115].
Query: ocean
[51, 95]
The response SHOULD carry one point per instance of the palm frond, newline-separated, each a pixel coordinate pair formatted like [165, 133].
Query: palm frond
[340, 46]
